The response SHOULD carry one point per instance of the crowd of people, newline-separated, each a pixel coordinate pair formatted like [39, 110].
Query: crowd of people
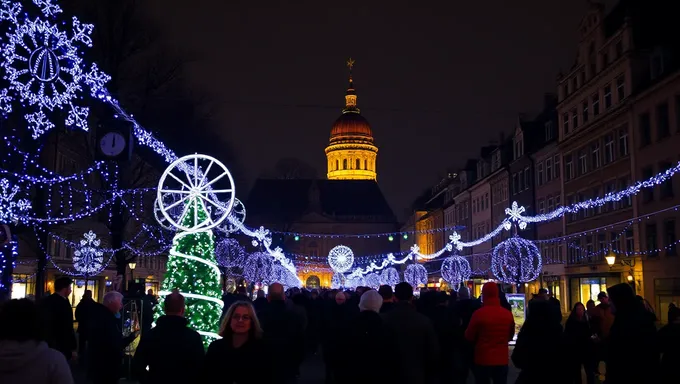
[364, 336]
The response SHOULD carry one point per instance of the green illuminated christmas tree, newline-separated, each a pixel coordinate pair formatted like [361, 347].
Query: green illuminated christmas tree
[192, 270]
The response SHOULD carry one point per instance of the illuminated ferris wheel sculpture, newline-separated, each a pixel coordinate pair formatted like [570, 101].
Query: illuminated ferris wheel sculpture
[189, 183]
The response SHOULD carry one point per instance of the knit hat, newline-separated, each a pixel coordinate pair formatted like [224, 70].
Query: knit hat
[463, 292]
[370, 301]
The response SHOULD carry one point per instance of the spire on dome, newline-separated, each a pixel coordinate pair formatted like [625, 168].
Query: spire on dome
[351, 96]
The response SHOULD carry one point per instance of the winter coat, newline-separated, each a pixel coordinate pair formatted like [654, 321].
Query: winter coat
[105, 344]
[59, 324]
[32, 362]
[490, 329]
[243, 365]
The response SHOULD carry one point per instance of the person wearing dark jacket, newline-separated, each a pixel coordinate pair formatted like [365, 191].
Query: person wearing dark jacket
[170, 344]
[106, 341]
[669, 339]
[632, 330]
[463, 349]
[83, 310]
[580, 344]
[59, 318]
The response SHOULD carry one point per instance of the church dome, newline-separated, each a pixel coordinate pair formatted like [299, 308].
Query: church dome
[351, 125]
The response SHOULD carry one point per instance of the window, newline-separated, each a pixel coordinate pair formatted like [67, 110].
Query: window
[358, 165]
[609, 148]
[565, 123]
[647, 193]
[556, 167]
[669, 238]
[602, 242]
[663, 126]
[589, 248]
[515, 184]
[583, 162]
[630, 241]
[628, 200]
[585, 111]
[607, 96]
[548, 170]
[596, 194]
[620, 88]
[344, 164]
[486, 197]
[549, 131]
[608, 190]
[651, 235]
[365, 164]
[337, 164]
[645, 125]
[539, 174]
[568, 168]
[666, 186]
[596, 103]
[596, 155]
[518, 148]
[623, 141]
[557, 201]
[541, 206]
[550, 204]
[574, 118]
[527, 178]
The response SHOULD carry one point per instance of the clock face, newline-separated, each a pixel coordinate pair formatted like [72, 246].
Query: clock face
[112, 144]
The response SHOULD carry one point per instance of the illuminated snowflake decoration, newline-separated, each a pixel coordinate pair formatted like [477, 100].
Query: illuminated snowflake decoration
[89, 259]
[455, 240]
[415, 249]
[456, 270]
[44, 67]
[415, 274]
[9, 207]
[341, 258]
[515, 212]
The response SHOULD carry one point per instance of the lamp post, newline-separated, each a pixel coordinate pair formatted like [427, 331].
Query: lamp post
[133, 265]
[610, 258]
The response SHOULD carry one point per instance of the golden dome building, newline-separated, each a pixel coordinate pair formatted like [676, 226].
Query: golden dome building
[351, 153]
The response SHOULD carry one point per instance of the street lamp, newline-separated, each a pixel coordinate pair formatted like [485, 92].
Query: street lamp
[611, 259]
[133, 265]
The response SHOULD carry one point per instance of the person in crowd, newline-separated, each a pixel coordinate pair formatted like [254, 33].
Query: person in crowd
[83, 310]
[170, 344]
[590, 307]
[414, 332]
[240, 294]
[490, 329]
[151, 297]
[106, 341]
[632, 330]
[336, 318]
[59, 318]
[260, 302]
[541, 328]
[235, 358]
[556, 306]
[580, 342]
[601, 319]
[284, 335]
[367, 333]
[446, 325]
[669, 340]
[388, 298]
[24, 355]
[463, 349]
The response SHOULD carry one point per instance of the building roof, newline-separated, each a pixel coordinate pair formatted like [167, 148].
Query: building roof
[290, 199]
[351, 126]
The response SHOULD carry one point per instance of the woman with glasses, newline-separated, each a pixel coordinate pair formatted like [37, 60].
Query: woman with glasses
[236, 357]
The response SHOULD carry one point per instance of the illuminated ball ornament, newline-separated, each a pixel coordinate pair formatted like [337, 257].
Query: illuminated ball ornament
[516, 260]
[415, 274]
[456, 270]
[389, 276]
[258, 268]
[338, 281]
[372, 280]
[229, 253]
[341, 258]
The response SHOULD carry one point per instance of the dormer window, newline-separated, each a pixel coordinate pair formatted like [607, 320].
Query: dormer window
[549, 133]
[519, 147]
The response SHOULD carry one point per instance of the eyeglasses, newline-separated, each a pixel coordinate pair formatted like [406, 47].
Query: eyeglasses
[243, 318]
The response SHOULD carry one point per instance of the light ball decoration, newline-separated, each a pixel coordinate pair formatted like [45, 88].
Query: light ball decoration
[456, 270]
[372, 280]
[355, 281]
[88, 259]
[389, 276]
[338, 281]
[516, 260]
[341, 258]
[229, 253]
[283, 276]
[415, 274]
[258, 268]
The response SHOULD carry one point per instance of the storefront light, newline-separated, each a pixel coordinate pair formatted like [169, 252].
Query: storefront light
[611, 259]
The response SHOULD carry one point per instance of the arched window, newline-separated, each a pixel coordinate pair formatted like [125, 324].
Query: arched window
[358, 164]
[313, 282]
[344, 164]
[337, 164]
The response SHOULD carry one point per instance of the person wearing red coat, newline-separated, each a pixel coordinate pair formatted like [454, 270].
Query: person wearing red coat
[490, 329]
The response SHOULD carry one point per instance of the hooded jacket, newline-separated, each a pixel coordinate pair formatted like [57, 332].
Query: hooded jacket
[32, 362]
[490, 329]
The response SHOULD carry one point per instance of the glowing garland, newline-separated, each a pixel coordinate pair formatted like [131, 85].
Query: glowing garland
[9, 204]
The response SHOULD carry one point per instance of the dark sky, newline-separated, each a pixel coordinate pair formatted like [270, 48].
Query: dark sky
[436, 79]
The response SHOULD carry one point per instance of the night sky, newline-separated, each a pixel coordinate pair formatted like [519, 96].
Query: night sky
[436, 81]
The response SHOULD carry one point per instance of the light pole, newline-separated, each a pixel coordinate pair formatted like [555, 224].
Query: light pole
[133, 265]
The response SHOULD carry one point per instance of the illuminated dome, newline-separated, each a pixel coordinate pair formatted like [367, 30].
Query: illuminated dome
[351, 153]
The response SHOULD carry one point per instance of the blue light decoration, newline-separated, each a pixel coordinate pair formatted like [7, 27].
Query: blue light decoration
[258, 268]
[88, 259]
[44, 67]
[416, 275]
[229, 253]
[10, 206]
[516, 260]
[372, 280]
[389, 276]
[341, 258]
[456, 270]
[338, 281]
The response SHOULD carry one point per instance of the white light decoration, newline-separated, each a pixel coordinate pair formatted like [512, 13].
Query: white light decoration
[9, 205]
[372, 280]
[355, 281]
[338, 281]
[196, 184]
[389, 276]
[236, 218]
[258, 268]
[456, 270]
[174, 212]
[416, 275]
[88, 259]
[45, 68]
[341, 258]
[516, 260]
[229, 253]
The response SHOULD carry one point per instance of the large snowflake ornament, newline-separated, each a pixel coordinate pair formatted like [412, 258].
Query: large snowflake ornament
[515, 213]
[44, 68]
[89, 259]
[9, 207]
